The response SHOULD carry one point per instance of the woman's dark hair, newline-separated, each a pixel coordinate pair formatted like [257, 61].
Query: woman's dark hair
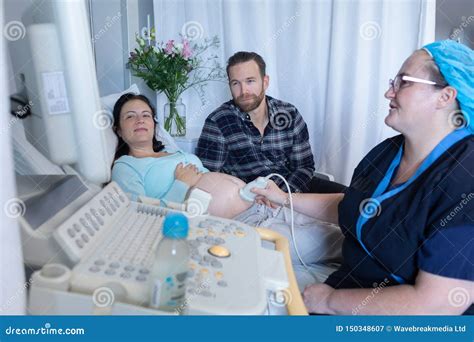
[122, 147]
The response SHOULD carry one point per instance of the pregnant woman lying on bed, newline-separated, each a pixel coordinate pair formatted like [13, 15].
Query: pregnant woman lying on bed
[142, 166]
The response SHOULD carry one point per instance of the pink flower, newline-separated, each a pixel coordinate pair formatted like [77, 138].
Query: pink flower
[169, 47]
[187, 52]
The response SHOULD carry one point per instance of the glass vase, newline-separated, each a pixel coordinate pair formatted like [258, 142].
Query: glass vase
[175, 118]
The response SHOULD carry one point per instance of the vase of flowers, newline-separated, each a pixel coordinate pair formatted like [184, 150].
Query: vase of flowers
[175, 118]
[173, 67]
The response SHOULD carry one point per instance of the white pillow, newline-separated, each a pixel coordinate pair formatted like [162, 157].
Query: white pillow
[108, 102]
[166, 139]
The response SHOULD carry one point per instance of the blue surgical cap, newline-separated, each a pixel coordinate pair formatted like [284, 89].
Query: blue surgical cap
[456, 63]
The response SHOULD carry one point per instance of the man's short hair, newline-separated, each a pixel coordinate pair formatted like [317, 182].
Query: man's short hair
[245, 56]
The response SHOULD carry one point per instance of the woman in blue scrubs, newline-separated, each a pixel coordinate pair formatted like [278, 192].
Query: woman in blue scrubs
[408, 215]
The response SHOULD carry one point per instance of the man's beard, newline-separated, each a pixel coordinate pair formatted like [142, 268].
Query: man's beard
[247, 103]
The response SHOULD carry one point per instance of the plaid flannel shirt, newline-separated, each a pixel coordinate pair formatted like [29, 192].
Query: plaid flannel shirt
[230, 143]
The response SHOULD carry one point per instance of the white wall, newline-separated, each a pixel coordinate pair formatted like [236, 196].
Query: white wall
[108, 19]
[137, 12]
[113, 27]
[114, 24]
[455, 15]
[17, 51]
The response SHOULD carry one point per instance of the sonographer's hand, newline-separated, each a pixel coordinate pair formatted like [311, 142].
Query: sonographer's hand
[316, 298]
[188, 174]
[272, 196]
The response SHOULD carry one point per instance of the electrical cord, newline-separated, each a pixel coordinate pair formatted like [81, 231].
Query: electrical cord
[292, 230]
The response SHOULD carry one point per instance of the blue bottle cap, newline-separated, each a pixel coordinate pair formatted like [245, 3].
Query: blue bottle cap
[176, 226]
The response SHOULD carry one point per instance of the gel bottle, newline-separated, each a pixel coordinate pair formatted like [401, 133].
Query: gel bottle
[170, 266]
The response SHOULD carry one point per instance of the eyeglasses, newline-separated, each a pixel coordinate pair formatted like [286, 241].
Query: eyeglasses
[400, 80]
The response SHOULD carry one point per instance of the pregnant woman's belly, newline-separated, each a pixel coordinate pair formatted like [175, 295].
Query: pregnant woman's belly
[226, 201]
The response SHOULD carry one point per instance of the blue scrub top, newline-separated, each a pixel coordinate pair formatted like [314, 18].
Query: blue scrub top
[407, 230]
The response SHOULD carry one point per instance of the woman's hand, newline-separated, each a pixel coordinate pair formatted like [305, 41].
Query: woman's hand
[188, 174]
[272, 196]
[316, 298]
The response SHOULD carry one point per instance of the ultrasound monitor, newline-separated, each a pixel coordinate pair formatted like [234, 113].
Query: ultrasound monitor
[46, 202]
[66, 124]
